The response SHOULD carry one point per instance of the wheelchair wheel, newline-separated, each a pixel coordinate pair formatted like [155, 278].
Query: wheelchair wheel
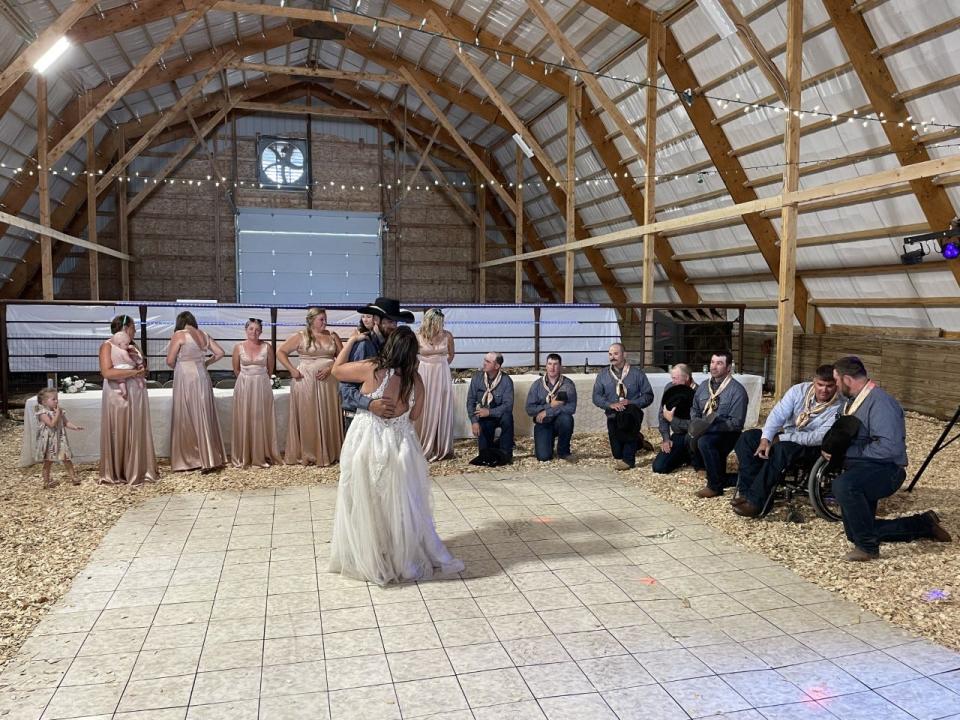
[820, 489]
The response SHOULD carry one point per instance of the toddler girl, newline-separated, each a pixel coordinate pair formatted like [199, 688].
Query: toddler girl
[52, 442]
[123, 360]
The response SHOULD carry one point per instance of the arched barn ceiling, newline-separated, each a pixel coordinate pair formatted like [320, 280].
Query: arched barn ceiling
[887, 69]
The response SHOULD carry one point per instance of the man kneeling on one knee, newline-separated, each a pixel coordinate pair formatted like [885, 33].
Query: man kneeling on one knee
[716, 421]
[490, 406]
[622, 392]
[792, 435]
[870, 433]
[552, 402]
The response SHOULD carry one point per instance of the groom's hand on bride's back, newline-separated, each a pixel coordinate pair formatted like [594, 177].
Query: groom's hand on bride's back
[384, 407]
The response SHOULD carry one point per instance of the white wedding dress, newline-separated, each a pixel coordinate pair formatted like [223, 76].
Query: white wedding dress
[383, 527]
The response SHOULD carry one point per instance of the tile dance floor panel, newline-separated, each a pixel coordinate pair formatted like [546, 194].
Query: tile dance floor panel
[582, 598]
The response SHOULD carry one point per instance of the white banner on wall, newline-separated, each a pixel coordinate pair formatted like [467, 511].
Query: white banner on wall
[67, 338]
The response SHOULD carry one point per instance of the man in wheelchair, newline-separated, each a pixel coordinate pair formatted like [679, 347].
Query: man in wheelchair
[791, 436]
[868, 441]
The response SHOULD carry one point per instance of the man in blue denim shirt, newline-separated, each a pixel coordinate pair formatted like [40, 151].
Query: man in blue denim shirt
[490, 406]
[716, 421]
[873, 467]
[552, 402]
[617, 390]
[792, 434]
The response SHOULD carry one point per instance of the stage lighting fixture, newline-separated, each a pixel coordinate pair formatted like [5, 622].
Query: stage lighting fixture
[912, 257]
[951, 251]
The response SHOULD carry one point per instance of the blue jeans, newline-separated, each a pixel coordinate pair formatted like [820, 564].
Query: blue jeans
[858, 489]
[758, 477]
[559, 428]
[626, 451]
[678, 456]
[711, 453]
[488, 427]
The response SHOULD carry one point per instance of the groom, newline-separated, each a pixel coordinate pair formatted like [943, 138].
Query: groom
[386, 314]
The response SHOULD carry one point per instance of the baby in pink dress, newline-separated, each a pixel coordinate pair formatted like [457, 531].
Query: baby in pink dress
[122, 359]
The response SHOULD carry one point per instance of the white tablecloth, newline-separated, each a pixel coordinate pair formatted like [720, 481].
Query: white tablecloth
[84, 409]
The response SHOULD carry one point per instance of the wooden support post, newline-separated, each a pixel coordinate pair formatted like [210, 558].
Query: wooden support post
[93, 258]
[788, 213]
[518, 241]
[649, 190]
[43, 183]
[481, 236]
[121, 225]
[568, 272]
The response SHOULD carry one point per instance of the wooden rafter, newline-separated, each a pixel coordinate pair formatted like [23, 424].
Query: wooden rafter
[709, 218]
[24, 62]
[168, 117]
[299, 71]
[125, 85]
[760, 56]
[878, 83]
[312, 110]
[714, 141]
[591, 82]
[502, 105]
[424, 94]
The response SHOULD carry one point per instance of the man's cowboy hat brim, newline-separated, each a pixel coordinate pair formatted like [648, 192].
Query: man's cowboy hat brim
[387, 308]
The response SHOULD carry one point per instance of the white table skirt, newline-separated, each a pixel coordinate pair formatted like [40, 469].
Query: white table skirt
[84, 409]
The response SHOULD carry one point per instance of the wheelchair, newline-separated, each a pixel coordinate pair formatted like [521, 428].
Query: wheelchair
[815, 481]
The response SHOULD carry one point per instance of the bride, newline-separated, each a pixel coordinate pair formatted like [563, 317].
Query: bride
[383, 527]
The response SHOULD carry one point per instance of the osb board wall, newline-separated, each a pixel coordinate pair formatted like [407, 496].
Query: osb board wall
[428, 250]
[918, 372]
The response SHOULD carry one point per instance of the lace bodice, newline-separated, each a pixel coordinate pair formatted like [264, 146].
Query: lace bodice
[378, 393]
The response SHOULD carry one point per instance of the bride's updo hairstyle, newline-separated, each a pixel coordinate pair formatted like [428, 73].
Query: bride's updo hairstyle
[400, 353]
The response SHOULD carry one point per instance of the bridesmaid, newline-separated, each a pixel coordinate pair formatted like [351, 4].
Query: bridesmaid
[195, 441]
[254, 436]
[126, 436]
[315, 430]
[435, 425]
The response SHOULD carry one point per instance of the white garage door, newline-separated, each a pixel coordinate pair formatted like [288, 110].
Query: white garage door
[307, 256]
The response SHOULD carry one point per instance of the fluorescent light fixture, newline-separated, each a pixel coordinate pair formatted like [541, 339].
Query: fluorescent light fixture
[523, 146]
[718, 16]
[51, 55]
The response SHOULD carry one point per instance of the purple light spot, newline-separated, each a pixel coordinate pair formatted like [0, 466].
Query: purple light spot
[936, 594]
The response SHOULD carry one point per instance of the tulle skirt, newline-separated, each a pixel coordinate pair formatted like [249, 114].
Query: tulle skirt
[383, 529]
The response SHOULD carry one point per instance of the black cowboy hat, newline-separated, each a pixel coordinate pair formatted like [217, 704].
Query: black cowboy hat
[679, 398]
[388, 308]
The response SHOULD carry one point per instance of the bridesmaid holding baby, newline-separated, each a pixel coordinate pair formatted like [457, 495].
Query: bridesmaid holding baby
[126, 439]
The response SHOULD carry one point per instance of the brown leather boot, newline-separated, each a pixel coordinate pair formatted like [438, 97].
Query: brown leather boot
[708, 492]
[937, 531]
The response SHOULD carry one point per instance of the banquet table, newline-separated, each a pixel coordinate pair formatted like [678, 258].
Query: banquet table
[84, 409]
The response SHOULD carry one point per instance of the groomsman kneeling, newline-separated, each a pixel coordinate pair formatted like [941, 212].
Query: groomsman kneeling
[552, 402]
[622, 392]
[716, 421]
[868, 440]
[490, 406]
[792, 434]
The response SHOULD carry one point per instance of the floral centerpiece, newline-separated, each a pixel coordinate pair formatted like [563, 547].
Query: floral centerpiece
[275, 382]
[72, 384]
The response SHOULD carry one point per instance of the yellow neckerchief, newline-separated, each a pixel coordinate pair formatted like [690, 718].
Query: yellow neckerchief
[854, 405]
[488, 388]
[812, 408]
[551, 394]
[714, 402]
[621, 388]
